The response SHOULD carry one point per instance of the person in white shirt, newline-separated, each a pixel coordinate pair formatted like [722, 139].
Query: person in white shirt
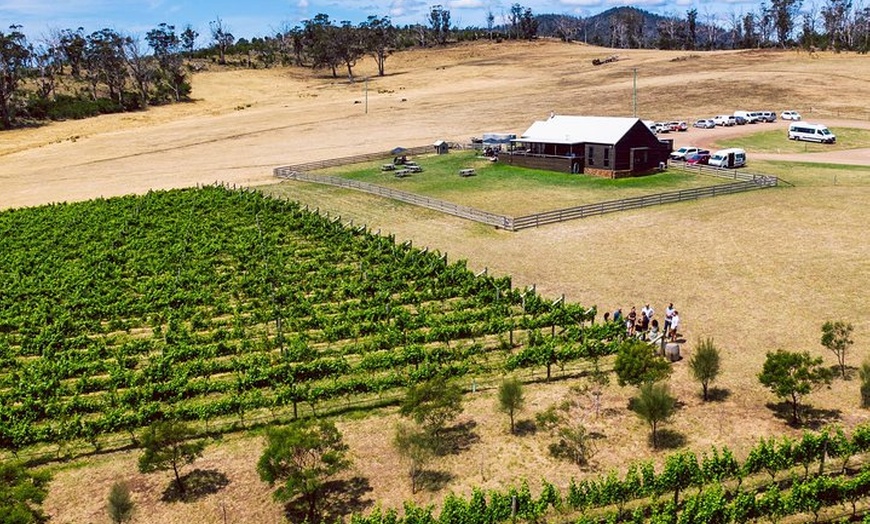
[648, 311]
[669, 313]
[675, 325]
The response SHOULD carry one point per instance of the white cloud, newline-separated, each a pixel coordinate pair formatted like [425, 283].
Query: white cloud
[465, 4]
[581, 3]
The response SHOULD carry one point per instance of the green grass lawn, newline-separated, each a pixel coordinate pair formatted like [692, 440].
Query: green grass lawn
[514, 191]
[815, 174]
[777, 141]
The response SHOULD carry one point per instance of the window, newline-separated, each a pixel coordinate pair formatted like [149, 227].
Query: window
[606, 157]
[590, 156]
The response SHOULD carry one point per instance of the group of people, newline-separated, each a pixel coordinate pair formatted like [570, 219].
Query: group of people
[644, 326]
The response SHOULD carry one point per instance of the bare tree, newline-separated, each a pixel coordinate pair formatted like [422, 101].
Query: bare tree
[711, 29]
[671, 32]
[222, 38]
[735, 29]
[835, 16]
[140, 69]
[567, 28]
[48, 62]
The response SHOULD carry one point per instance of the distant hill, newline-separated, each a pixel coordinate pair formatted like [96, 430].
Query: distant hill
[617, 27]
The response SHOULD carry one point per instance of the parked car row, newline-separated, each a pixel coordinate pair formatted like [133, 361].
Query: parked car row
[667, 127]
[740, 118]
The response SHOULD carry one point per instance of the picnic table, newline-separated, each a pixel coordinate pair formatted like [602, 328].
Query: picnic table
[388, 167]
[467, 172]
[414, 169]
[403, 173]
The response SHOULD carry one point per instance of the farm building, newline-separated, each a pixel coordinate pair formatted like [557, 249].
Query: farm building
[610, 147]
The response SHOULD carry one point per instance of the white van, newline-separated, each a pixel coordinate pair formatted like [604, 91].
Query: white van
[733, 157]
[811, 133]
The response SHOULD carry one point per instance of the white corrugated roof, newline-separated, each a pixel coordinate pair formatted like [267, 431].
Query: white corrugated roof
[563, 129]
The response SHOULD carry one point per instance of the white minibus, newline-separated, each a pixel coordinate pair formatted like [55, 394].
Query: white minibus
[811, 133]
[733, 157]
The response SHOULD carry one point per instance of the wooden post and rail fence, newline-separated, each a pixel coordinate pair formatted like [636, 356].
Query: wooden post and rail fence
[743, 181]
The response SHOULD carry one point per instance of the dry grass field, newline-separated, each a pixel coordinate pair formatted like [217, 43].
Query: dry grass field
[756, 271]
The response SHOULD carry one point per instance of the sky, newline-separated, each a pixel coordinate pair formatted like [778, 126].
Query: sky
[258, 18]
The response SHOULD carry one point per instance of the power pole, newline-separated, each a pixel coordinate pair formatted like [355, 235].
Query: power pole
[635, 92]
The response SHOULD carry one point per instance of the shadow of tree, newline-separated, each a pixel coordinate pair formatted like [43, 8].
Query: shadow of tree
[197, 484]
[434, 480]
[718, 394]
[525, 427]
[837, 373]
[810, 417]
[668, 439]
[338, 499]
[458, 438]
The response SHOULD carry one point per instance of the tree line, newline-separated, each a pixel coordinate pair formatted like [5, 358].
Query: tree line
[73, 74]
[837, 25]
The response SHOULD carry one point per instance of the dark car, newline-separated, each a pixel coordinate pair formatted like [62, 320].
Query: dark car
[701, 157]
[739, 120]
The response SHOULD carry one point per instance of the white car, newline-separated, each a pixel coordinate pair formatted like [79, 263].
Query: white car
[683, 152]
[724, 120]
[790, 115]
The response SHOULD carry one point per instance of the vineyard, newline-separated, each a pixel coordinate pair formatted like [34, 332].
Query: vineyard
[220, 307]
[785, 478]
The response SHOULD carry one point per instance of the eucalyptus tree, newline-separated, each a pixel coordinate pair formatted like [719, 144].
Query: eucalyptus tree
[106, 60]
[379, 37]
[166, 45]
[15, 55]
